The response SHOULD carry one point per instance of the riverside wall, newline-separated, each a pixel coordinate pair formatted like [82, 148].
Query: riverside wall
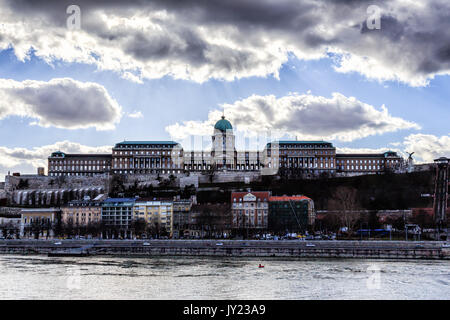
[233, 248]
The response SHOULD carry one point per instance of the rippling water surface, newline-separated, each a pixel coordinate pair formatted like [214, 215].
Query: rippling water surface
[41, 277]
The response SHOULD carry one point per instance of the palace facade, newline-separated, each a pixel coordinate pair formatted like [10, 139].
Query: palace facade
[168, 157]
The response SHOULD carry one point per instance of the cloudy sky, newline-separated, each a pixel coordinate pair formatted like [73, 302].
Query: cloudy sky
[166, 69]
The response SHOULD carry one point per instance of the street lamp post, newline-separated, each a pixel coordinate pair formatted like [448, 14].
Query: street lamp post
[360, 230]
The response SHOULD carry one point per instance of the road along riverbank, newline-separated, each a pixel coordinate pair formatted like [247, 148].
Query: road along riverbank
[231, 248]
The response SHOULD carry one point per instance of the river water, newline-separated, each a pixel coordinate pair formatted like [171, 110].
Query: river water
[102, 277]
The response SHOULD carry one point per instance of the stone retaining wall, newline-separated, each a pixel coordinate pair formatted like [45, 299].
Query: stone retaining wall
[369, 250]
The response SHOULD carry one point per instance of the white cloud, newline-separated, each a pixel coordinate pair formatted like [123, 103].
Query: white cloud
[135, 114]
[199, 40]
[366, 150]
[62, 103]
[304, 116]
[131, 77]
[427, 147]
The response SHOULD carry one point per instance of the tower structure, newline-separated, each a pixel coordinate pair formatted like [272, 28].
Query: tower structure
[223, 145]
[441, 192]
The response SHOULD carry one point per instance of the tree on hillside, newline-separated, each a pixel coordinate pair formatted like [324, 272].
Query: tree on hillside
[117, 184]
[211, 172]
[23, 184]
[61, 180]
[188, 191]
[172, 180]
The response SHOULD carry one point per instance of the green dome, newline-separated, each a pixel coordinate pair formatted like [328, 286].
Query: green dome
[223, 125]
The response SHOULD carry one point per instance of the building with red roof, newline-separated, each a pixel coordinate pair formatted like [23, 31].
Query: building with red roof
[250, 211]
[290, 214]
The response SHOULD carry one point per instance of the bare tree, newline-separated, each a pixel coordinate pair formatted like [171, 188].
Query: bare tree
[330, 222]
[211, 172]
[345, 201]
[213, 219]
[138, 226]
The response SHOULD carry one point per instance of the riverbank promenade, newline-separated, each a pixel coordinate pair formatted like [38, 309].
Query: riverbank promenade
[237, 248]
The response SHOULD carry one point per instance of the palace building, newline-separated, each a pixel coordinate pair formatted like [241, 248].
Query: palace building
[63, 164]
[168, 157]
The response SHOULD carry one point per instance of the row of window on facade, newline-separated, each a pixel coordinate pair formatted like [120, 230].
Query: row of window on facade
[147, 146]
[72, 174]
[66, 161]
[306, 152]
[78, 168]
[373, 161]
[147, 153]
[36, 219]
[320, 146]
[361, 167]
[251, 212]
[146, 166]
[137, 171]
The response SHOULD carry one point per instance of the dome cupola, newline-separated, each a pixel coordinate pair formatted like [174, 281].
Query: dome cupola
[223, 125]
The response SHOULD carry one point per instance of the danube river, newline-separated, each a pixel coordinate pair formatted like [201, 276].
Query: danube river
[41, 277]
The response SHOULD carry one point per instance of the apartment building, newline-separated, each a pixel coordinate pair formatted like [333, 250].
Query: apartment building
[158, 214]
[117, 215]
[81, 212]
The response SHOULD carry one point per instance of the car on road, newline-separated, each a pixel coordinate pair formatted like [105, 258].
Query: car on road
[310, 245]
[219, 244]
[146, 244]
[446, 245]
[58, 243]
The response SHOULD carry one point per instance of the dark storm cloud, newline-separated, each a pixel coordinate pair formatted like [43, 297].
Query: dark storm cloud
[199, 39]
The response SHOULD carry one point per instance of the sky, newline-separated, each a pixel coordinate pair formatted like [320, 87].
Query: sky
[368, 76]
